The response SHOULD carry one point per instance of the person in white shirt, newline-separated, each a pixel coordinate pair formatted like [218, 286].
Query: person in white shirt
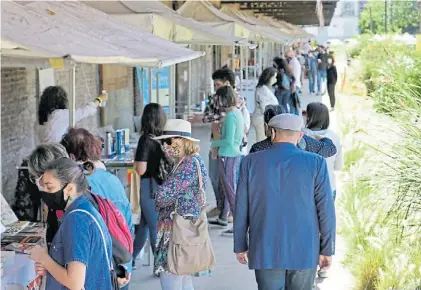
[263, 96]
[317, 122]
[53, 114]
[295, 66]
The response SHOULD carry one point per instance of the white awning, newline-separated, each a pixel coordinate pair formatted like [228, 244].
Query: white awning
[269, 32]
[72, 30]
[206, 13]
[157, 18]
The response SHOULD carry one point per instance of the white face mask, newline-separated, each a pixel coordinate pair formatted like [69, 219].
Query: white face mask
[40, 188]
[329, 61]
[273, 80]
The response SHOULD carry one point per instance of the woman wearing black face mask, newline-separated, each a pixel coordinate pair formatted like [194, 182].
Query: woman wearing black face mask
[37, 163]
[81, 251]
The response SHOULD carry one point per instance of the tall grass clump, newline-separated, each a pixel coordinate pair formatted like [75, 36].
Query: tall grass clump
[380, 209]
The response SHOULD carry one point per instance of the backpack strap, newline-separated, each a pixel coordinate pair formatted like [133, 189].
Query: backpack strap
[110, 265]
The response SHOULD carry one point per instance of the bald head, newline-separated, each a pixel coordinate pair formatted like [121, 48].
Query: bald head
[286, 136]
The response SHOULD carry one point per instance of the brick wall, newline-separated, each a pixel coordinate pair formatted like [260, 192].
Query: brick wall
[19, 112]
[86, 89]
[18, 116]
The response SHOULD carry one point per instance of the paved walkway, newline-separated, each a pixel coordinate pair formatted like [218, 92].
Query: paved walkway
[229, 274]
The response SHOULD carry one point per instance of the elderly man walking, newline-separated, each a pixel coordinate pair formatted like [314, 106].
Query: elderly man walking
[285, 217]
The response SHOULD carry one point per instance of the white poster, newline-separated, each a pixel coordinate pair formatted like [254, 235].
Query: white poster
[46, 79]
[7, 215]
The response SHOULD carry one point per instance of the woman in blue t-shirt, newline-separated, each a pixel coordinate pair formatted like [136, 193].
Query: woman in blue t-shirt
[82, 146]
[81, 251]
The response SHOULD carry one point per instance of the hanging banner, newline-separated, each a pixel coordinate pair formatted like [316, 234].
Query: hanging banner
[143, 76]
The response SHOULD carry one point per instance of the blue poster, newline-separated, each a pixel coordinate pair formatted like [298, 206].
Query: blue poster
[145, 93]
[163, 86]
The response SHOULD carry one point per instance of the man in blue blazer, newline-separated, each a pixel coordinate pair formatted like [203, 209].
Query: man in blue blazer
[285, 217]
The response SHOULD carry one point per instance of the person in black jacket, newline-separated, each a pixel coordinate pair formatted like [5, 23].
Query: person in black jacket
[332, 78]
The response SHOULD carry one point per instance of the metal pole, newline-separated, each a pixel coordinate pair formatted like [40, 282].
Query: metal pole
[241, 69]
[233, 57]
[260, 57]
[157, 87]
[172, 92]
[72, 96]
[149, 85]
[255, 63]
[190, 85]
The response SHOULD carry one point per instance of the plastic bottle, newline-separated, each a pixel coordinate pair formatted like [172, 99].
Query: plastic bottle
[103, 103]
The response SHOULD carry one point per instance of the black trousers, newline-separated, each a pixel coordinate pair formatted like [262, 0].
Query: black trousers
[331, 92]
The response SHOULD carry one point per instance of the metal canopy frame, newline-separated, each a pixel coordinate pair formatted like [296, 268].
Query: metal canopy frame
[295, 12]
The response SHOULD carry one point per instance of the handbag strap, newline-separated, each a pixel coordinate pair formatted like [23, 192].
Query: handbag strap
[102, 234]
[199, 173]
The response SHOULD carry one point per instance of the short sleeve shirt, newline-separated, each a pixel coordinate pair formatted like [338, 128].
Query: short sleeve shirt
[150, 151]
[79, 240]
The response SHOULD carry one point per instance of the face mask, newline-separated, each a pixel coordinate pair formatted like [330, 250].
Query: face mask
[329, 61]
[173, 150]
[40, 188]
[273, 80]
[55, 200]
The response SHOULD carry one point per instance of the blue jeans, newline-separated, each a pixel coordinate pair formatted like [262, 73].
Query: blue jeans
[176, 282]
[277, 279]
[321, 81]
[214, 177]
[149, 217]
[312, 78]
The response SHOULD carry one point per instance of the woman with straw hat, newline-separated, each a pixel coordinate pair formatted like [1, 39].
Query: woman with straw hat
[181, 194]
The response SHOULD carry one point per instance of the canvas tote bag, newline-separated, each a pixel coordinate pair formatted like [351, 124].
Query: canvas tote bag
[190, 249]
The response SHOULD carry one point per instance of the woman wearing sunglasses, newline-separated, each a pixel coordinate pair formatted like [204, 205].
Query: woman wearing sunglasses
[181, 192]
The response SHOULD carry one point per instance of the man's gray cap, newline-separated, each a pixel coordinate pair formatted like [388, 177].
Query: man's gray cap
[287, 122]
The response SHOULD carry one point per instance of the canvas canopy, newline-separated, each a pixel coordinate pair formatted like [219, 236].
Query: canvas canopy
[75, 31]
[265, 29]
[205, 12]
[157, 18]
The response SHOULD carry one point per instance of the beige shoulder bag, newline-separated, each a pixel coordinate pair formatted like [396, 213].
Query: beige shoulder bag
[190, 248]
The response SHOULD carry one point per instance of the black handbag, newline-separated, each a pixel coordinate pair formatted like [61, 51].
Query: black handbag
[166, 164]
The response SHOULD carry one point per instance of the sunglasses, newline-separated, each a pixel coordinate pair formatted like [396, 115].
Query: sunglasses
[169, 141]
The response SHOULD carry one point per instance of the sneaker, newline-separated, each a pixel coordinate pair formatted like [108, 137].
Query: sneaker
[134, 267]
[323, 274]
[230, 219]
[213, 213]
[332, 109]
[229, 232]
[218, 222]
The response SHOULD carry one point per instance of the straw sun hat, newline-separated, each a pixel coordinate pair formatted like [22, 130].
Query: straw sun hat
[177, 128]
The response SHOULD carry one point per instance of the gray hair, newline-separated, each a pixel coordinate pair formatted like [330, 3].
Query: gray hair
[43, 155]
[68, 171]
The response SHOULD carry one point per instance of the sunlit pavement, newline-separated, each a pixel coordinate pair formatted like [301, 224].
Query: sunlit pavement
[229, 274]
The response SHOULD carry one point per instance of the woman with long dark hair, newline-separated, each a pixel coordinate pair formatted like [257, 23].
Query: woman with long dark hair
[147, 161]
[264, 96]
[53, 113]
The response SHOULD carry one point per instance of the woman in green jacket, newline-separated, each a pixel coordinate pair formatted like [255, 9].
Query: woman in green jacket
[229, 152]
